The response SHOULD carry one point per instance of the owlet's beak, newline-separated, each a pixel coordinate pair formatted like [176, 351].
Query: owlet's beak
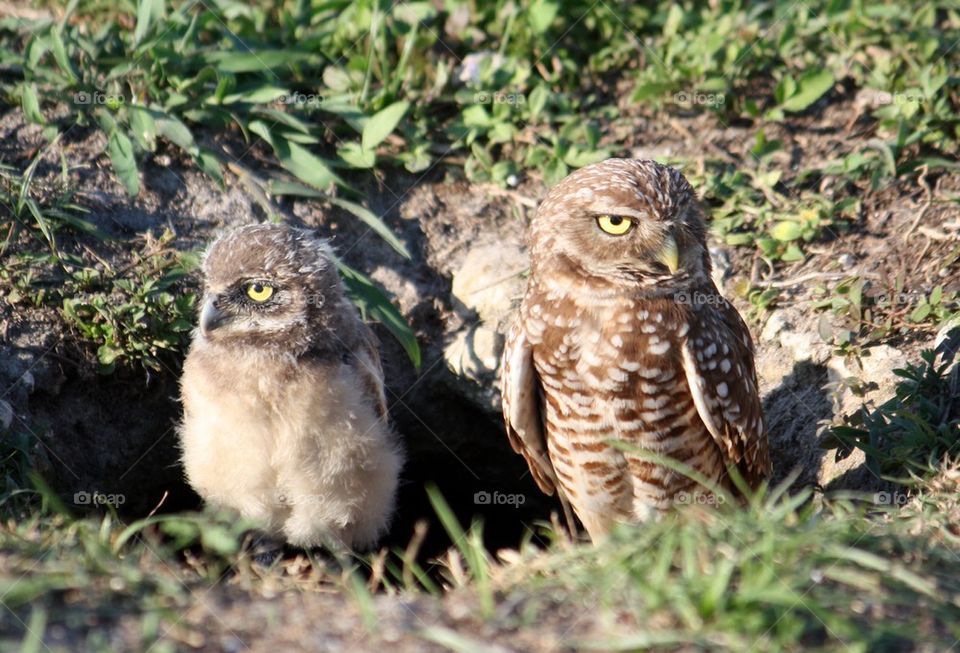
[210, 317]
[669, 255]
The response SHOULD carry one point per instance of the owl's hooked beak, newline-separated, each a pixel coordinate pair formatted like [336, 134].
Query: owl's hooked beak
[210, 317]
[668, 254]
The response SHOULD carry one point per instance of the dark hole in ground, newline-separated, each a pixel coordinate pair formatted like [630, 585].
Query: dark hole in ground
[116, 435]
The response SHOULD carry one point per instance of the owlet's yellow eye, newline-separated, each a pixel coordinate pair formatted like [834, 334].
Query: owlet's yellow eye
[614, 224]
[259, 292]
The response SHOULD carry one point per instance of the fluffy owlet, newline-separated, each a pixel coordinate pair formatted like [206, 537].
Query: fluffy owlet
[284, 412]
[622, 338]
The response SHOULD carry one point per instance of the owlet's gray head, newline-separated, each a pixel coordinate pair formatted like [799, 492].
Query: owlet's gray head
[271, 288]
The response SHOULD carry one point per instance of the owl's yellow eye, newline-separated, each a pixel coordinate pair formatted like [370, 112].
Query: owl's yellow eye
[259, 292]
[614, 225]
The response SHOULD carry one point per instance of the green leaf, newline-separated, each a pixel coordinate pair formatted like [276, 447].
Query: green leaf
[124, 163]
[108, 355]
[296, 158]
[886, 153]
[382, 124]
[31, 104]
[148, 13]
[541, 15]
[281, 187]
[936, 296]
[921, 312]
[218, 540]
[143, 127]
[59, 49]
[255, 60]
[650, 90]
[175, 131]
[208, 162]
[259, 94]
[357, 157]
[537, 101]
[372, 221]
[811, 86]
[375, 305]
[738, 239]
[793, 253]
[786, 230]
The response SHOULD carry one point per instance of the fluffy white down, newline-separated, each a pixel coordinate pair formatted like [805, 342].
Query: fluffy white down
[295, 446]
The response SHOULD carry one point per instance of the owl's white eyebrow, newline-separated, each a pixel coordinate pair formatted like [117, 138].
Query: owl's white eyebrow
[624, 211]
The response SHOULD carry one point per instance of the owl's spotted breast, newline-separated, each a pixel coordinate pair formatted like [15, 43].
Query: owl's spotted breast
[612, 371]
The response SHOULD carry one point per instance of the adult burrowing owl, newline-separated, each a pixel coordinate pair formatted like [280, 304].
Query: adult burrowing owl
[622, 337]
[284, 412]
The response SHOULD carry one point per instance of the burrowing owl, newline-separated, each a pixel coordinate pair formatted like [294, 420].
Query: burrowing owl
[284, 412]
[623, 337]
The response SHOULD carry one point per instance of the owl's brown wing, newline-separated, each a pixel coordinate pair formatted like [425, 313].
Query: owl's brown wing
[367, 355]
[718, 362]
[521, 392]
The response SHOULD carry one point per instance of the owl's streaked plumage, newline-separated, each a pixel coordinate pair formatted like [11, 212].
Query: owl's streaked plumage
[284, 412]
[622, 336]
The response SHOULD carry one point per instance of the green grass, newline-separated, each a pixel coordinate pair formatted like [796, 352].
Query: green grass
[335, 89]
[781, 575]
[846, 571]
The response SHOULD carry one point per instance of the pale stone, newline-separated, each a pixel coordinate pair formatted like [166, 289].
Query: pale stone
[491, 280]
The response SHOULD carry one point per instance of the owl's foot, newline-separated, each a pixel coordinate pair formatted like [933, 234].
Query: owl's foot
[263, 549]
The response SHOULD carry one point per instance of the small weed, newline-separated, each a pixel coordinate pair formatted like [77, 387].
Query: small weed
[912, 433]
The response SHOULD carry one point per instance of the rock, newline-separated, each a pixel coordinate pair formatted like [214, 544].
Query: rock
[947, 342]
[805, 345]
[867, 380]
[474, 355]
[490, 280]
[776, 323]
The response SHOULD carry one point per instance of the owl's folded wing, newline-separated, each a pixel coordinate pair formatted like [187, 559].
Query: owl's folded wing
[521, 393]
[718, 362]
